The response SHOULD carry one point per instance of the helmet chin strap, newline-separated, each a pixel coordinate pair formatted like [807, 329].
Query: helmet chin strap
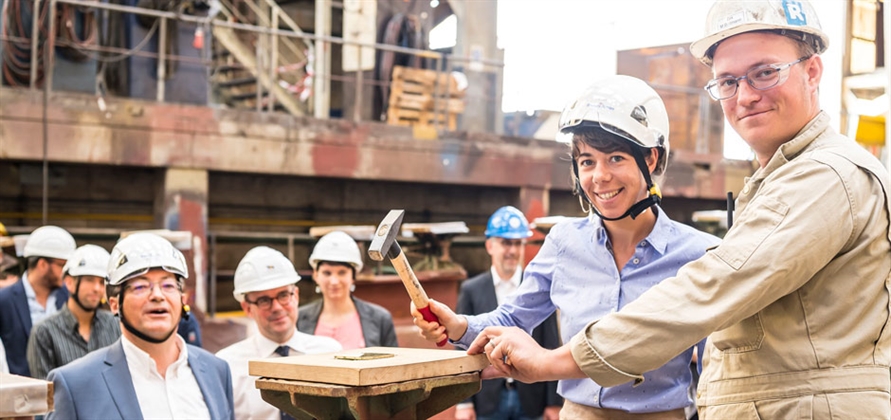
[76, 299]
[133, 329]
[654, 195]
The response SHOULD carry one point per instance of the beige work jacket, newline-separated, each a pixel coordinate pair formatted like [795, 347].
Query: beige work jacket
[795, 300]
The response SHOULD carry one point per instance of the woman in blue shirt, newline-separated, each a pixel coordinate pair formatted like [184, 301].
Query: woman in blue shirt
[592, 266]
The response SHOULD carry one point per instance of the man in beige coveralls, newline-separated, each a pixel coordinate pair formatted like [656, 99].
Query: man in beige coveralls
[795, 301]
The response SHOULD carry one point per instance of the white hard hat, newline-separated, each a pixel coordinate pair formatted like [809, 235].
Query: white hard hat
[50, 242]
[336, 246]
[726, 18]
[88, 260]
[140, 252]
[263, 268]
[625, 106]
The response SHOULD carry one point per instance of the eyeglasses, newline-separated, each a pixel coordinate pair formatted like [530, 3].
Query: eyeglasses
[265, 302]
[761, 78]
[509, 243]
[141, 288]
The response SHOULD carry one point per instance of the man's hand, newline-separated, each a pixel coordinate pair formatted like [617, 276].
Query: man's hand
[512, 352]
[449, 324]
[551, 412]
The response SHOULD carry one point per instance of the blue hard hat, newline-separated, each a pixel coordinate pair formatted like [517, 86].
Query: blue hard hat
[508, 222]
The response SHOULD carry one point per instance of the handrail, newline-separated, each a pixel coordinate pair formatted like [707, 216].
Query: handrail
[272, 72]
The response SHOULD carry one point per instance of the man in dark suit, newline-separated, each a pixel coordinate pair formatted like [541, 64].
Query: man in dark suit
[150, 372]
[38, 294]
[501, 398]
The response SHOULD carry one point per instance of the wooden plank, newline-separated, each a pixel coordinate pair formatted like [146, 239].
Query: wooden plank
[442, 228]
[405, 365]
[21, 396]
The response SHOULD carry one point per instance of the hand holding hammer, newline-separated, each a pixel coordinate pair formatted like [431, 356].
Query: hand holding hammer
[384, 243]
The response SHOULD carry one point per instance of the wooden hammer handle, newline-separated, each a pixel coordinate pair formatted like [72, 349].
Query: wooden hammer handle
[414, 288]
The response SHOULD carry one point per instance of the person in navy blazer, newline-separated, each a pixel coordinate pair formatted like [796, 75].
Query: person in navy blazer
[150, 372]
[46, 251]
[501, 398]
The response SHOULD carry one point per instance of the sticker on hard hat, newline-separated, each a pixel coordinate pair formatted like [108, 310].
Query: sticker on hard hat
[733, 20]
[794, 13]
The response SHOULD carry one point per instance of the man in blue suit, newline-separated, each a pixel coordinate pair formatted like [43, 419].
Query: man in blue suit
[150, 372]
[502, 398]
[38, 294]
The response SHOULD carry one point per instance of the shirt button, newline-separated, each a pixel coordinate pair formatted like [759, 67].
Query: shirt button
[745, 189]
[643, 243]
[636, 261]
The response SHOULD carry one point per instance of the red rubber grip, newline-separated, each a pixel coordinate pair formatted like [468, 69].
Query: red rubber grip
[429, 316]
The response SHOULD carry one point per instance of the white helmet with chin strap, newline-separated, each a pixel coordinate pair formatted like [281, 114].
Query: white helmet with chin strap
[631, 110]
[263, 268]
[88, 260]
[138, 253]
[796, 19]
[336, 246]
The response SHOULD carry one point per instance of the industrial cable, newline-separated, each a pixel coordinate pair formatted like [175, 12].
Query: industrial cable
[403, 30]
[71, 43]
[16, 56]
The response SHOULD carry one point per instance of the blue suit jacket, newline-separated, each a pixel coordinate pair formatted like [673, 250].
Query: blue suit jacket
[99, 385]
[15, 324]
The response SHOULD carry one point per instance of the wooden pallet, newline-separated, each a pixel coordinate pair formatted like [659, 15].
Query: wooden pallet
[412, 94]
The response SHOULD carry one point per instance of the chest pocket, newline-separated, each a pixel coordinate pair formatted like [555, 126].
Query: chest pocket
[746, 335]
[761, 218]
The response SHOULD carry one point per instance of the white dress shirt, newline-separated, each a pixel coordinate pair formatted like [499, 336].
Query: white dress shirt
[505, 287]
[249, 405]
[176, 395]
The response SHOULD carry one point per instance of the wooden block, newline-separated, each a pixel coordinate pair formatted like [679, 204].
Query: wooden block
[21, 396]
[405, 365]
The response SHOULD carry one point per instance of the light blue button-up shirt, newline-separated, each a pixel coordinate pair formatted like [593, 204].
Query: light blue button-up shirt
[576, 273]
[38, 312]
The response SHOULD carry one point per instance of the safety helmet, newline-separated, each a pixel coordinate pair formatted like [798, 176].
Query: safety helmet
[508, 222]
[5, 239]
[630, 109]
[88, 260]
[140, 252]
[625, 106]
[263, 268]
[726, 18]
[336, 246]
[50, 242]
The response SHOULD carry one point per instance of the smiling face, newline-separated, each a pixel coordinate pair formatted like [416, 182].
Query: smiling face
[507, 254]
[152, 303]
[334, 279]
[275, 320]
[766, 119]
[608, 174]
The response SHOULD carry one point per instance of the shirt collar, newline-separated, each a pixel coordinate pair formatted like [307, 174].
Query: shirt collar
[658, 237]
[29, 291]
[69, 319]
[514, 280]
[141, 361]
[790, 149]
[267, 347]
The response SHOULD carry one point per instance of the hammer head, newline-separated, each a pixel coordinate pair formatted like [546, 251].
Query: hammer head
[385, 235]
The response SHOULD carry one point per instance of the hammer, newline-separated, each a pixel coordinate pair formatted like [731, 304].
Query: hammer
[384, 242]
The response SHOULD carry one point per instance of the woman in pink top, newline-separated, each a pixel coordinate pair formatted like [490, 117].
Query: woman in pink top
[353, 322]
